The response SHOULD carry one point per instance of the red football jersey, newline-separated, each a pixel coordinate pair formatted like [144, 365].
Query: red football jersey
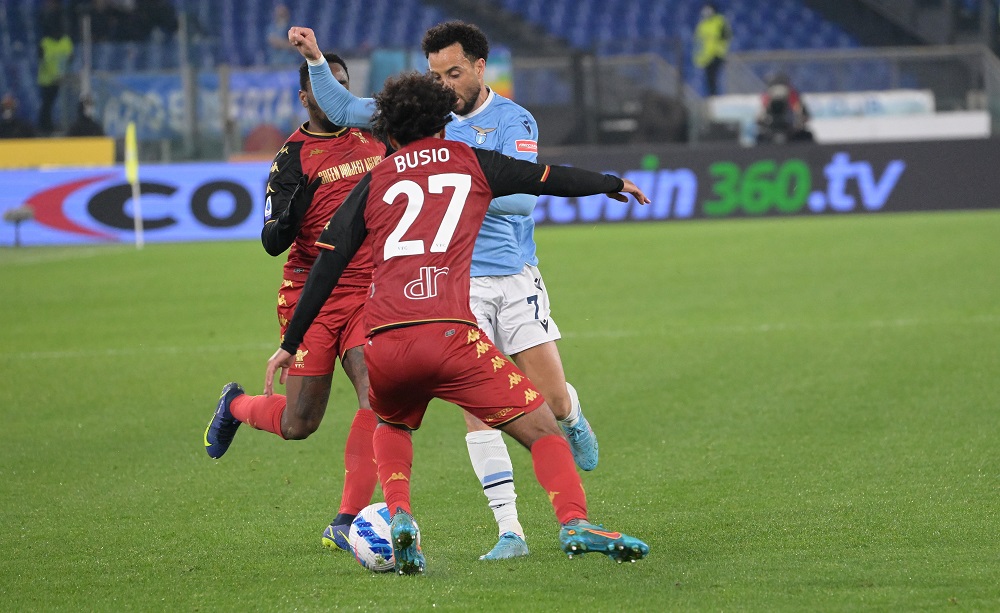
[340, 159]
[424, 228]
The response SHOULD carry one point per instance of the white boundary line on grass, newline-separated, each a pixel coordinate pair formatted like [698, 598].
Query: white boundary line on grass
[673, 330]
[679, 329]
[134, 351]
[70, 253]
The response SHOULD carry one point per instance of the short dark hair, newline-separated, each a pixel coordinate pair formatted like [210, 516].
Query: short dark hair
[473, 41]
[412, 106]
[332, 58]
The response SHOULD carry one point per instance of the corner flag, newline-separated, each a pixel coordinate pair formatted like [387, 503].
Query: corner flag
[132, 175]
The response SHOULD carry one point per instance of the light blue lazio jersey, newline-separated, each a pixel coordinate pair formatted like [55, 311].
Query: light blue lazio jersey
[506, 241]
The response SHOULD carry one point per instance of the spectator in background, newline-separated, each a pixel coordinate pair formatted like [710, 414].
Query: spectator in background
[712, 37]
[85, 124]
[54, 51]
[279, 50]
[783, 115]
[13, 125]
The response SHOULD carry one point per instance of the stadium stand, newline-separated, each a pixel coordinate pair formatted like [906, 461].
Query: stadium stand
[628, 26]
[232, 32]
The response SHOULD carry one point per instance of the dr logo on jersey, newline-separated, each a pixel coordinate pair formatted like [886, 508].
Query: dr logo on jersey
[426, 285]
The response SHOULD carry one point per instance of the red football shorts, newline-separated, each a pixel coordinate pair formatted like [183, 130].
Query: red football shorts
[452, 361]
[338, 327]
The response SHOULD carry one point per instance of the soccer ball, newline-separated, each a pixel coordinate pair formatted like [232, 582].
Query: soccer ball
[371, 540]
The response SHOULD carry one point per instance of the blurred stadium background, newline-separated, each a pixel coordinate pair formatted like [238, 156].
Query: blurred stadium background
[613, 81]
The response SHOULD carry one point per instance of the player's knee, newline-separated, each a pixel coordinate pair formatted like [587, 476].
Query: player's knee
[299, 424]
[533, 426]
[298, 429]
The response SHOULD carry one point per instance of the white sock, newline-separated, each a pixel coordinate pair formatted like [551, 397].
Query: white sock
[575, 410]
[492, 464]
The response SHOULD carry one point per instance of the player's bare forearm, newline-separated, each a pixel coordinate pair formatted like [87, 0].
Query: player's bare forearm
[304, 41]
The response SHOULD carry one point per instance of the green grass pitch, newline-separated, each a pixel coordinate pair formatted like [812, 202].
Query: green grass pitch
[796, 414]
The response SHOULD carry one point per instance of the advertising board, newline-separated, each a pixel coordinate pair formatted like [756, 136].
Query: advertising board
[223, 201]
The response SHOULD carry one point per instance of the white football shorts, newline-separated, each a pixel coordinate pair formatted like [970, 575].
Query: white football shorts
[513, 310]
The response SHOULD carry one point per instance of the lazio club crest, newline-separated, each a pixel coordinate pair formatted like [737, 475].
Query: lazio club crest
[481, 134]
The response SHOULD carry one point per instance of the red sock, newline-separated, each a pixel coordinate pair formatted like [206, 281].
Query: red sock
[394, 454]
[360, 470]
[555, 470]
[260, 412]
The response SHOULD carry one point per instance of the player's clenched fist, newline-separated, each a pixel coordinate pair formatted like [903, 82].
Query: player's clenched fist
[304, 40]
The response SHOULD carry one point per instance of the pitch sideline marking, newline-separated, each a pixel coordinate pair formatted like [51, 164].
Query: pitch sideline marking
[676, 329]
[61, 255]
[679, 328]
[133, 351]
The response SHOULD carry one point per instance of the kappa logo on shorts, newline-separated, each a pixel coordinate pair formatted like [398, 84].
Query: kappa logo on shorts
[514, 379]
[529, 395]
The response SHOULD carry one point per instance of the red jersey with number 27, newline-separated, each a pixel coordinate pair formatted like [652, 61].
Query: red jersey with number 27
[424, 208]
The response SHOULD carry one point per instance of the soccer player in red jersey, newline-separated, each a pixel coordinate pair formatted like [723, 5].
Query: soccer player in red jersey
[310, 177]
[421, 209]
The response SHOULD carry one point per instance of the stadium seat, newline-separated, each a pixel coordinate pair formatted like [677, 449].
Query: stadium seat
[632, 26]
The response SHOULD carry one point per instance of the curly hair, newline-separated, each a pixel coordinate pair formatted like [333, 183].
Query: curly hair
[472, 39]
[331, 58]
[412, 106]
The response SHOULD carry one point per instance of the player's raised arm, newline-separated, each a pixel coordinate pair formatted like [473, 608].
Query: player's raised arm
[340, 105]
[509, 176]
[304, 41]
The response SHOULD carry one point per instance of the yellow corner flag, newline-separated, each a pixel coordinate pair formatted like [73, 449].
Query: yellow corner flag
[131, 154]
[132, 175]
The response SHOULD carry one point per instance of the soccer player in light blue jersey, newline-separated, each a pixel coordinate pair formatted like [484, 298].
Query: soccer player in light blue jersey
[508, 295]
